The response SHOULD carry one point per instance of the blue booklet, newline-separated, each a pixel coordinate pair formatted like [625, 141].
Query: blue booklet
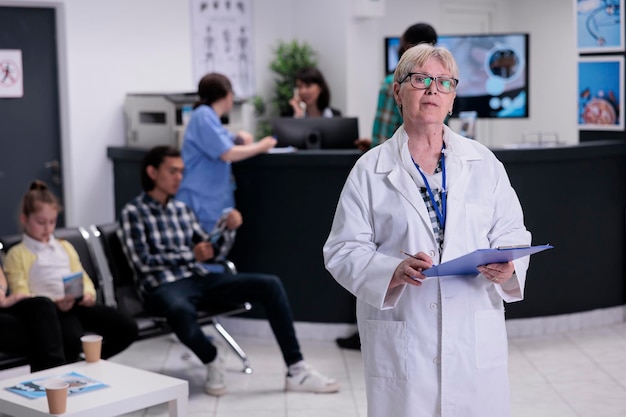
[73, 285]
[35, 388]
[468, 264]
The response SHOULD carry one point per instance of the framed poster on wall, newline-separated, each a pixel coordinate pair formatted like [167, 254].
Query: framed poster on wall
[222, 41]
[600, 93]
[599, 25]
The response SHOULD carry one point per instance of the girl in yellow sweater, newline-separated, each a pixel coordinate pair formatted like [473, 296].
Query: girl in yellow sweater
[36, 267]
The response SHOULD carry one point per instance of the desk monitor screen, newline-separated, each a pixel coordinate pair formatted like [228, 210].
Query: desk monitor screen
[316, 132]
[392, 46]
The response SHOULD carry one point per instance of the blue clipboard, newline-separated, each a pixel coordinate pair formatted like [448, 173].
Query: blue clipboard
[467, 264]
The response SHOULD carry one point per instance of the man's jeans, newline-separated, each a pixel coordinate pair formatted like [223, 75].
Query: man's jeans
[179, 302]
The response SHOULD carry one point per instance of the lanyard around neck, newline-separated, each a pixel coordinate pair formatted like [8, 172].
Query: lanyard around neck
[441, 214]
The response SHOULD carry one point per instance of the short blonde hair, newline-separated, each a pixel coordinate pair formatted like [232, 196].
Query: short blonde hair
[419, 54]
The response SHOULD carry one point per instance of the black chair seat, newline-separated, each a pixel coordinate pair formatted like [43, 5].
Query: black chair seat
[128, 299]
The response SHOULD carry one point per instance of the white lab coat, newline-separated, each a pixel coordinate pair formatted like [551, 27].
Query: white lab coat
[439, 349]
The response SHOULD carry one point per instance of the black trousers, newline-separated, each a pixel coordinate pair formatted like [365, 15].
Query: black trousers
[118, 330]
[179, 302]
[35, 327]
[30, 327]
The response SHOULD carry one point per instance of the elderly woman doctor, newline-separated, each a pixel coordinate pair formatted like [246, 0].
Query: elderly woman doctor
[436, 346]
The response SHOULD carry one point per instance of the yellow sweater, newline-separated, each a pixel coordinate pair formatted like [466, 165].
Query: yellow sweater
[20, 259]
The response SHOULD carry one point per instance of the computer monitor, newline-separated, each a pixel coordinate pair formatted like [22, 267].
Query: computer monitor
[316, 132]
[392, 46]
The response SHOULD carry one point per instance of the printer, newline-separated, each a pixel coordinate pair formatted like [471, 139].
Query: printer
[160, 119]
[157, 118]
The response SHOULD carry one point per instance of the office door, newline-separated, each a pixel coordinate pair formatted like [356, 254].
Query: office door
[29, 125]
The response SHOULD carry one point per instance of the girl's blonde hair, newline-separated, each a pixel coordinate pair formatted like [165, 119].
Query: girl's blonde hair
[38, 194]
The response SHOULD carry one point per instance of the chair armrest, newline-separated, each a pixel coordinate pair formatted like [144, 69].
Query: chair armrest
[229, 267]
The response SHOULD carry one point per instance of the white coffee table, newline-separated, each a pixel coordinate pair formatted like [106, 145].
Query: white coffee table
[129, 390]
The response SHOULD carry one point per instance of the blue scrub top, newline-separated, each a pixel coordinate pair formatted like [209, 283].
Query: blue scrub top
[207, 185]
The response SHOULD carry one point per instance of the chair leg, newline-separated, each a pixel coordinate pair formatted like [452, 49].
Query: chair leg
[234, 345]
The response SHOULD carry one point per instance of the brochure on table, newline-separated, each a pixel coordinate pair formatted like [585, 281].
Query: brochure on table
[35, 388]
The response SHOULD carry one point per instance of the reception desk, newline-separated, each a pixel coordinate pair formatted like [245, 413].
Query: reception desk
[573, 198]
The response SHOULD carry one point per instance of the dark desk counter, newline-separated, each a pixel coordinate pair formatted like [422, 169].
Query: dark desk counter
[573, 198]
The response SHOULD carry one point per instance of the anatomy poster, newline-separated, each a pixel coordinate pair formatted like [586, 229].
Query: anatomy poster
[11, 73]
[222, 42]
[600, 93]
[599, 26]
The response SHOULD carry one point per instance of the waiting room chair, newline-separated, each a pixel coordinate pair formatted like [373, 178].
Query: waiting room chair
[117, 268]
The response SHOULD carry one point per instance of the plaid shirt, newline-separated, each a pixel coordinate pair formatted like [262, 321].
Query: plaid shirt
[159, 240]
[388, 118]
[438, 229]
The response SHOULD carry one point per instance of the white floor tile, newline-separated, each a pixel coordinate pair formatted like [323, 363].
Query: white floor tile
[554, 409]
[594, 399]
[581, 373]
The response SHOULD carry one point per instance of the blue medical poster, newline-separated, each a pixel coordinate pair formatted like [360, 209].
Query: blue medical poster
[600, 97]
[599, 25]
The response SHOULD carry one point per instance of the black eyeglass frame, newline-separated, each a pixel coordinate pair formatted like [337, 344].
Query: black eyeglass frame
[431, 78]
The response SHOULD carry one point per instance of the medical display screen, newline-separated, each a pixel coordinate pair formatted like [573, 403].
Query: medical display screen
[493, 73]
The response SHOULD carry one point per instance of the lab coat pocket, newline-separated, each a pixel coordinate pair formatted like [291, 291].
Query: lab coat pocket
[491, 344]
[386, 355]
[478, 222]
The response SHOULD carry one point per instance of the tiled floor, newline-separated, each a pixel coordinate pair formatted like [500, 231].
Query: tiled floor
[576, 374]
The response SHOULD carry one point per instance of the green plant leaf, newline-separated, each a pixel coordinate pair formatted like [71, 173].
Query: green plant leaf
[289, 57]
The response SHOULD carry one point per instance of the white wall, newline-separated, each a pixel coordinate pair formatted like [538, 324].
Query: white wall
[273, 22]
[364, 71]
[115, 47]
[553, 68]
[112, 47]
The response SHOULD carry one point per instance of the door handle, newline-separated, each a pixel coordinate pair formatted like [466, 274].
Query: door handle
[55, 167]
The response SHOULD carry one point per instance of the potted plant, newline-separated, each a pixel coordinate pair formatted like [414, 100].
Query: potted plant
[289, 57]
[262, 127]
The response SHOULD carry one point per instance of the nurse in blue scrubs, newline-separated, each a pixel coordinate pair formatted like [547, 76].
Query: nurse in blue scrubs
[208, 150]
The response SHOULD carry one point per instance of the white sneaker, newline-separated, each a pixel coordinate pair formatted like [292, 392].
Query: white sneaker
[214, 384]
[309, 380]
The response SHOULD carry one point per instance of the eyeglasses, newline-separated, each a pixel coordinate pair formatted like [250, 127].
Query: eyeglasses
[423, 81]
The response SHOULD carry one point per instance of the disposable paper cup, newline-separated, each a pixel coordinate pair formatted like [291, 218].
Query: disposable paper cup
[56, 393]
[92, 347]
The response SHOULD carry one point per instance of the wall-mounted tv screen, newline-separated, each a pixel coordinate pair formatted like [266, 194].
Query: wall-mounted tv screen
[493, 73]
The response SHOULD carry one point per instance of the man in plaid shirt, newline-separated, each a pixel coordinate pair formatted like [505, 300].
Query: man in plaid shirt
[168, 250]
